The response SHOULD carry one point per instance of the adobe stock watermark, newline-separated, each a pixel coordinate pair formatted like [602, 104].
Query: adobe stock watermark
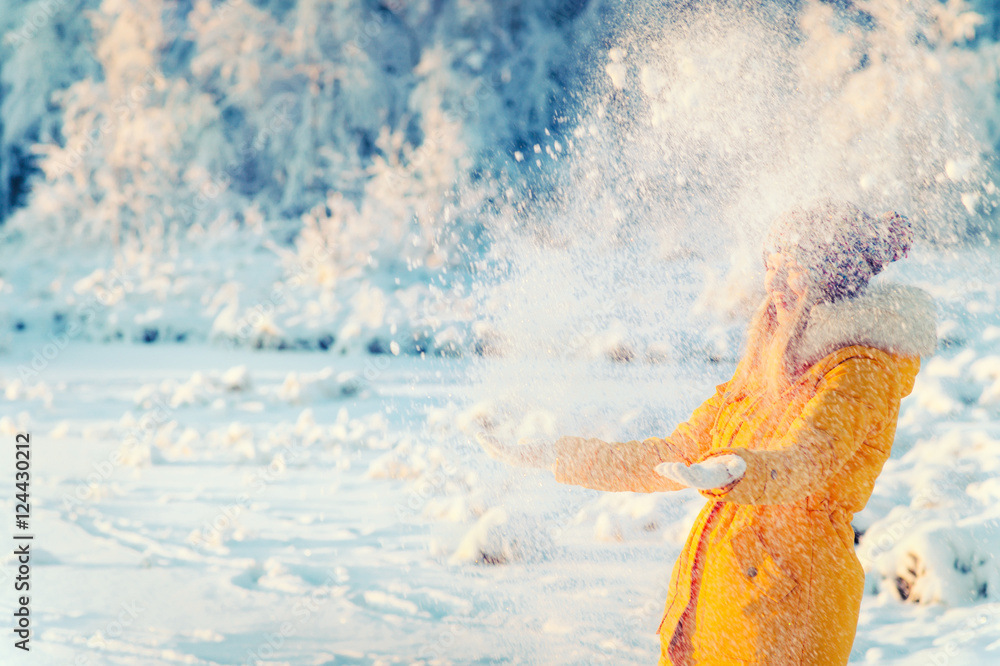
[372, 28]
[82, 314]
[468, 107]
[560, 521]
[122, 108]
[584, 332]
[987, 617]
[650, 613]
[267, 651]
[263, 310]
[423, 489]
[219, 182]
[41, 15]
[104, 469]
[442, 643]
[227, 6]
[126, 616]
[890, 535]
[212, 530]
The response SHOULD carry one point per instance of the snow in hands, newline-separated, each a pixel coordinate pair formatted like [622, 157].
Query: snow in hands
[708, 475]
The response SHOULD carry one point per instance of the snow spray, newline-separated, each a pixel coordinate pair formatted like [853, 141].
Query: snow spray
[629, 256]
[625, 260]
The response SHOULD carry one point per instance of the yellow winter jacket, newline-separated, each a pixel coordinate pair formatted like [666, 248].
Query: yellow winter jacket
[768, 574]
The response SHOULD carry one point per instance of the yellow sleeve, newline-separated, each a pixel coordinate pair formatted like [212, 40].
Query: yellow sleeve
[629, 466]
[851, 401]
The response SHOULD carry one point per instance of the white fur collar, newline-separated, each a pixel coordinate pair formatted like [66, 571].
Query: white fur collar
[890, 317]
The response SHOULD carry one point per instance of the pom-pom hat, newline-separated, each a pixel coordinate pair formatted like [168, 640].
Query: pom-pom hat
[841, 246]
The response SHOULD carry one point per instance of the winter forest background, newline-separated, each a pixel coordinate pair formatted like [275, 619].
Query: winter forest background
[320, 244]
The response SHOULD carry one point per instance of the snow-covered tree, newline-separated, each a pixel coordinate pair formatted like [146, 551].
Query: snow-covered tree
[397, 135]
[45, 45]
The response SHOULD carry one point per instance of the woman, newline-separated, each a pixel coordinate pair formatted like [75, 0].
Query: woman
[786, 452]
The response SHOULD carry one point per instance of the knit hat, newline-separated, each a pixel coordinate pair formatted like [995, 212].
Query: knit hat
[841, 246]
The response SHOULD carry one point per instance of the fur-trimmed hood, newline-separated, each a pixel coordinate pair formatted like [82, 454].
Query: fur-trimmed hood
[891, 317]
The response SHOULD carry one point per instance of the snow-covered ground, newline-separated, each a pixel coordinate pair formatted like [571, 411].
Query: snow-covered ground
[267, 267]
[195, 504]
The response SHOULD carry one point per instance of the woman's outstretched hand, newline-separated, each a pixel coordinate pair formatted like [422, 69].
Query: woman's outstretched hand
[526, 453]
[714, 473]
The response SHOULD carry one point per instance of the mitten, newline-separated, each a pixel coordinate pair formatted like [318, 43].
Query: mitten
[714, 473]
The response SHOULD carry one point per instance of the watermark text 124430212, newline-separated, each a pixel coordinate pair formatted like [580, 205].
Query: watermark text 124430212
[22, 540]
